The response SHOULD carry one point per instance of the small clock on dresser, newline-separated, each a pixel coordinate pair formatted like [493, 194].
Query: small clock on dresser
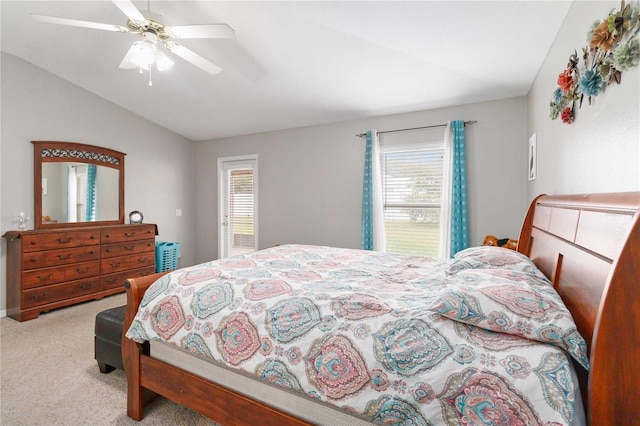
[135, 217]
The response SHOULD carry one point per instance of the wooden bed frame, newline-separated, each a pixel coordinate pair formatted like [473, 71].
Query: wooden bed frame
[588, 245]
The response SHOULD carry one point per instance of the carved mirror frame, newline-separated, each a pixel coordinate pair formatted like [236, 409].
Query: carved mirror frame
[61, 152]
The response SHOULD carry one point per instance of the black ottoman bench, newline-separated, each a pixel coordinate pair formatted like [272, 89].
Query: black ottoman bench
[108, 335]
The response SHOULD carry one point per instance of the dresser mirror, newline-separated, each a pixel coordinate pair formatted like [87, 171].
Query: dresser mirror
[77, 185]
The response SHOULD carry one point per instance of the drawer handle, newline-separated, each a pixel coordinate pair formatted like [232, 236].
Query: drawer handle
[62, 257]
[87, 286]
[48, 277]
[130, 234]
[129, 248]
[83, 271]
[68, 240]
[113, 265]
[108, 250]
[38, 298]
[111, 281]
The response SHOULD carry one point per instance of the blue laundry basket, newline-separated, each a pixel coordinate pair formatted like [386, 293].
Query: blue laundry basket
[167, 254]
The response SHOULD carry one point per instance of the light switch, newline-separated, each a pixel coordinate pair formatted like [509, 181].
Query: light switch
[178, 212]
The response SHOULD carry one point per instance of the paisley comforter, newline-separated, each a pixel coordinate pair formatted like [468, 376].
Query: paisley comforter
[480, 339]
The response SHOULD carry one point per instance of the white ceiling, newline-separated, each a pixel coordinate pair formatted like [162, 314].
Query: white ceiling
[300, 63]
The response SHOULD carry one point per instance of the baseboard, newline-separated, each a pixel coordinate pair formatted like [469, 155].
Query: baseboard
[3, 313]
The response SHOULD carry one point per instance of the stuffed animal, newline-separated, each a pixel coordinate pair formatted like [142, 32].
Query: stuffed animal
[491, 240]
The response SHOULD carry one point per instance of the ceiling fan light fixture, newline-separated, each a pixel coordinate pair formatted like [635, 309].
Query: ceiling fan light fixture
[162, 61]
[144, 53]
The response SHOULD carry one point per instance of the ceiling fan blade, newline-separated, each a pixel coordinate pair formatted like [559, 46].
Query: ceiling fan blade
[193, 57]
[201, 31]
[77, 23]
[129, 9]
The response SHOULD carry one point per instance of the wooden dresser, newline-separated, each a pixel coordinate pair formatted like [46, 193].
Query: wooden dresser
[48, 269]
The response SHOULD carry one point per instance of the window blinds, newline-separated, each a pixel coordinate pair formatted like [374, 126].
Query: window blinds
[411, 186]
[241, 235]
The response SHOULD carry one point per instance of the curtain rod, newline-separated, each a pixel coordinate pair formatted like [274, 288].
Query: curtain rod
[466, 123]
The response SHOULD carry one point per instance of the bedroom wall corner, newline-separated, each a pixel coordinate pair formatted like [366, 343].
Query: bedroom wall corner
[37, 105]
[600, 151]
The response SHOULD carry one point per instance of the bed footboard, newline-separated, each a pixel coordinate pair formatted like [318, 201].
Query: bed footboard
[137, 396]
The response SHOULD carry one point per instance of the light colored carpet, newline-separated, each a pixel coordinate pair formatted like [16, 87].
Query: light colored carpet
[49, 375]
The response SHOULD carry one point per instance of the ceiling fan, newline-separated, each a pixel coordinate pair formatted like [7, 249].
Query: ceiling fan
[146, 52]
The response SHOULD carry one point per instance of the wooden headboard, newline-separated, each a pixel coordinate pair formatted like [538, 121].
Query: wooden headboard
[589, 247]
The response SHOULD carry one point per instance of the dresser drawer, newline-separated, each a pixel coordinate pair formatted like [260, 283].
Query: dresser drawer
[124, 263]
[127, 248]
[127, 233]
[117, 280]
[43, 259]
[48, 276]
[54, 293]
[59, 240]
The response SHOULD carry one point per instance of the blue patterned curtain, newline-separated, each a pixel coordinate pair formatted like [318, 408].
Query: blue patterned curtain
[459, 214]
[366, 231]
[91, 193]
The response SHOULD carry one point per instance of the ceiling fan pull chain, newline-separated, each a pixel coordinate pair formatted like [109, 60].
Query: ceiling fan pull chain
[150, 83]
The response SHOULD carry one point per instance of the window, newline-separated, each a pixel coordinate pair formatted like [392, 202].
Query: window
[238, 196]
[411, 191]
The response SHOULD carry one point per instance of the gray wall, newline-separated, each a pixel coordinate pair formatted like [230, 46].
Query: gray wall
[310, 179]
[37, 105]
[600, 151]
